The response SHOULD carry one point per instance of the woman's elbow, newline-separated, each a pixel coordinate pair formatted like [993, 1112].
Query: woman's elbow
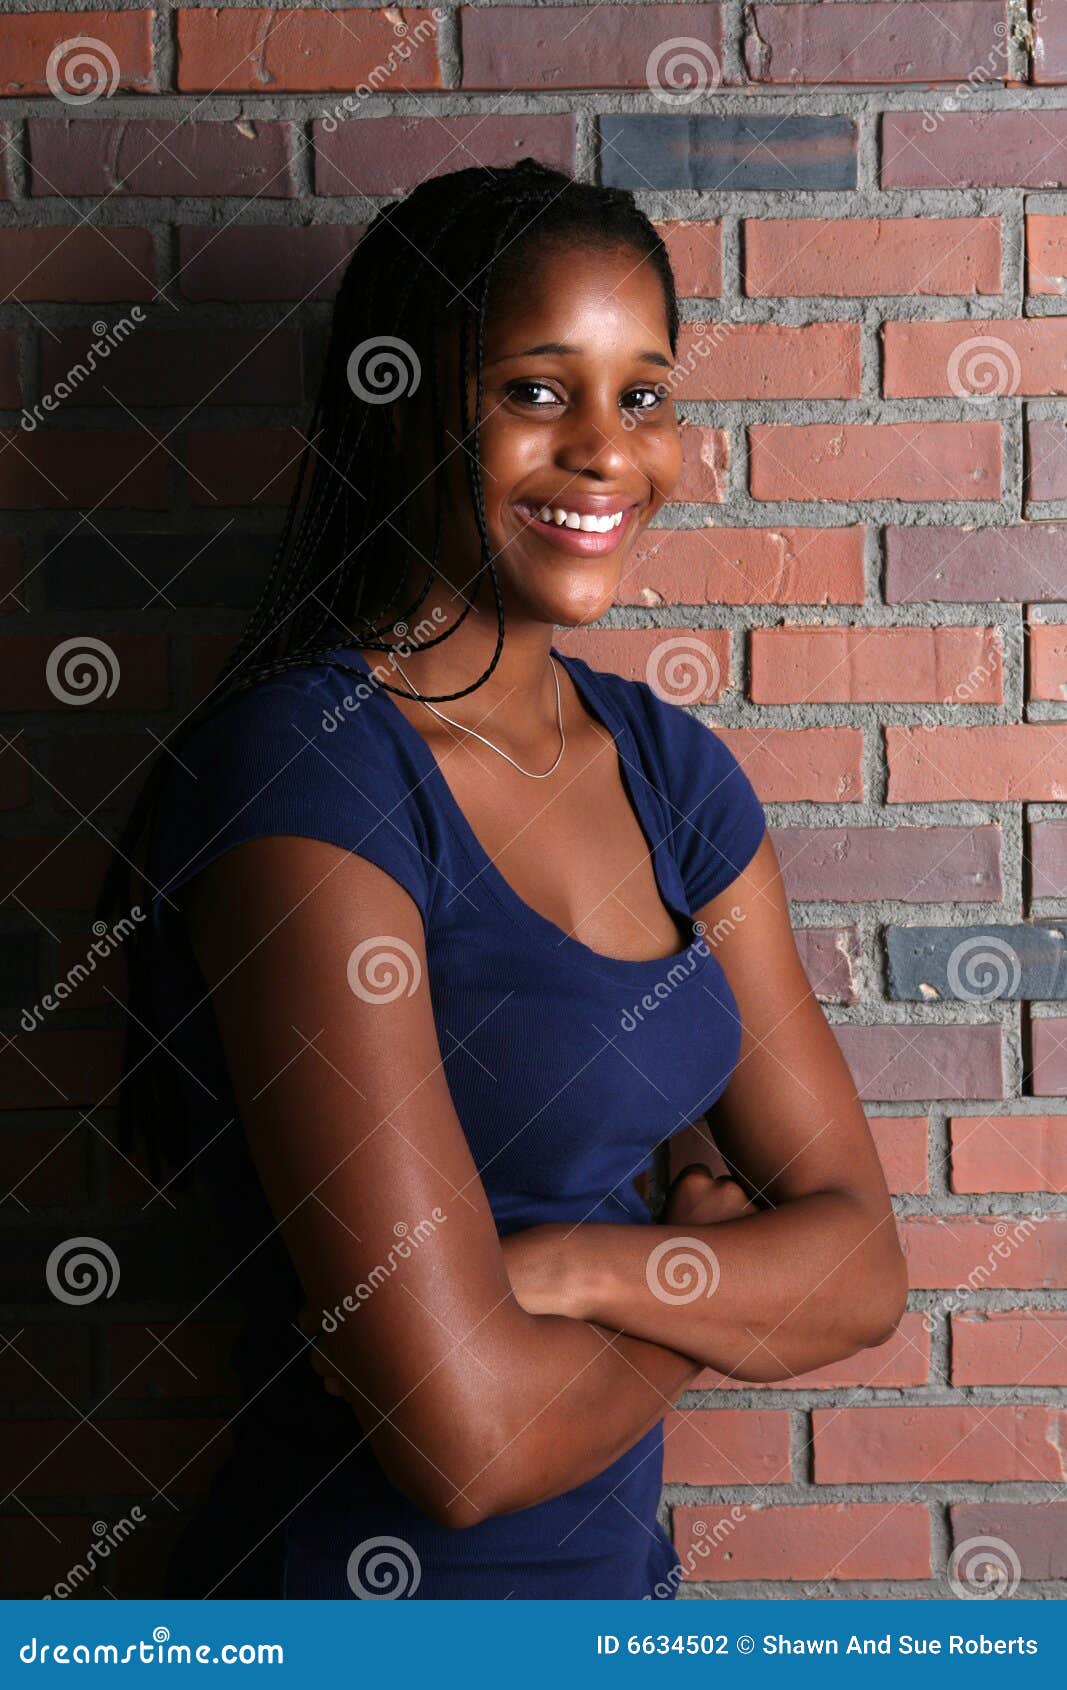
[457, 1485]
[887, 1298]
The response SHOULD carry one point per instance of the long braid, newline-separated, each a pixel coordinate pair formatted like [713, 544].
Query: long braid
[342, 562]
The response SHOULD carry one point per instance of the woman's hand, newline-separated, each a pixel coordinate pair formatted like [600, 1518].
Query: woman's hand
[698, 1197]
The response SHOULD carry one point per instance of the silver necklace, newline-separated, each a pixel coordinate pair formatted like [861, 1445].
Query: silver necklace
[530, 775]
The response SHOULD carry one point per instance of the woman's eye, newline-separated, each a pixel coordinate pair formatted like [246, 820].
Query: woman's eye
[522, 390]
[651, 398]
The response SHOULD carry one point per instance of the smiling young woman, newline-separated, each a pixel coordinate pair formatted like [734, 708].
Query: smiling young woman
[407, 879]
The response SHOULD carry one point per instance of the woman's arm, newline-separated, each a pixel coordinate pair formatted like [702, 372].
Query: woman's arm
[817, 1273]
[472, 1405]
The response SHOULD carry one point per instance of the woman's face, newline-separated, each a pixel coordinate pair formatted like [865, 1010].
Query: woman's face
[572, 423]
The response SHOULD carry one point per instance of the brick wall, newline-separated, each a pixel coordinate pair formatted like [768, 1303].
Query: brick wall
[866, 207]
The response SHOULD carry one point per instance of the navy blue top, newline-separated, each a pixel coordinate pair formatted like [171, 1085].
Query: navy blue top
[566, 1068]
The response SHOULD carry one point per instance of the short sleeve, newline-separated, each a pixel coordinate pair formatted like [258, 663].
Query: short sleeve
[714, 819]
[284, 757]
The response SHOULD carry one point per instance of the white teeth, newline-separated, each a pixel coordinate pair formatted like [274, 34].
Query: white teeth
[575, 519]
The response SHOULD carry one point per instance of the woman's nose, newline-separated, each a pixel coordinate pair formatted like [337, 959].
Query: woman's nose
[595, 440]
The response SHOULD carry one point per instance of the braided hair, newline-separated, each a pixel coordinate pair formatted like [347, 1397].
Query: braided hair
[340, 575]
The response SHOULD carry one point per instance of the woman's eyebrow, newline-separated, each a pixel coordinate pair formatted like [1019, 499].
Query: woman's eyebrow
[563, 349]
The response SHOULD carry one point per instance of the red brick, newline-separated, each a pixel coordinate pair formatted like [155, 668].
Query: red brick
[1009, 563]
[864, 257]
[142, 670]
[197, 366]
[1012, 148]
[27, 40]
[1048, 660]
[747, 1446]
[1049, 63]
[266, 52]
[12, 596]
[1046, 254]
[776, 566]
[1000, 763]
[791, 765]
[9, 370]
[705, 457]
[157, 1359]
[1037, 1531]
[720, 1542]
[902, 1362]
[264, 261]
[686, 665]
[254, 467]
[1046, 458]
[56, 1458]
[1009, 1152]
[54, 874]
[1048, 859]
[896, 460]
[902, 1063]
[1048, 1037]
[582, 46]
[389, 155]
[918, 864]
[873, 42]
[901, 1141]
[695, 252]
[726, 360]
[858, 665]
[96, 263]
[58, 470]
[830, 957]
[991, 358]
[58, 1070]
[1009, 1347]
[891, 1445]
[983, 1253]
[248, 157]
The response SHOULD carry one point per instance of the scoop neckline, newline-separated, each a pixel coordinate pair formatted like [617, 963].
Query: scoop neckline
[497, 884]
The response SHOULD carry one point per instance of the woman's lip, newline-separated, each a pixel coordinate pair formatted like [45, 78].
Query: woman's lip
[576, 540]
